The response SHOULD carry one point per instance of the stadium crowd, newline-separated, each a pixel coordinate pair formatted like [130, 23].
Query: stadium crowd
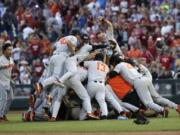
[143, 29]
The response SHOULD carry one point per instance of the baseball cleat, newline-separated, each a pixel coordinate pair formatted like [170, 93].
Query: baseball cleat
[38, 88]
[2, 119]
[52, 119]
[165, 112]
[59, 83]
[104, 117]
[5, 118]
[91, 116]
[32, 115]
[25, 116]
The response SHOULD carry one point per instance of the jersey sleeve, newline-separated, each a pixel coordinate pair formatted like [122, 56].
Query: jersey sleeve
[73, 40]
[86, 48]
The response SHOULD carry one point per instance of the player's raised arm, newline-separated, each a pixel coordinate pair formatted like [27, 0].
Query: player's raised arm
[110, 26]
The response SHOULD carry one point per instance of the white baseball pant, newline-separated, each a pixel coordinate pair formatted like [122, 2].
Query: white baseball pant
[55, 69]
[142, 86]
[97, 89]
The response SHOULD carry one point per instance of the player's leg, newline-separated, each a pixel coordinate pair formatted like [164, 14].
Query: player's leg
[110, 98]
[3, 97]
[71, 67]
[57, 102]
[81, 93]
[159, 99]
[100, 97]
[8, 102]
[141, 87]
[56, 66]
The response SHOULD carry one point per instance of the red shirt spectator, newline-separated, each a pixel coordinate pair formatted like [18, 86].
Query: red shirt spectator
[45, 46]
[166, 61]
[38, 68]
[34, 46]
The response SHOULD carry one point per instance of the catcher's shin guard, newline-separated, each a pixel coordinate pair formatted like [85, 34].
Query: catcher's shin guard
[31, 101]
[38, 88]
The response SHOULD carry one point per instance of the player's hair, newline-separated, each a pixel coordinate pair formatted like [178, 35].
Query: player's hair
[75, 32]
[115, 59]
[98, 34]
[85, 38]
[113, 43]
[99, 56]
[5, 46]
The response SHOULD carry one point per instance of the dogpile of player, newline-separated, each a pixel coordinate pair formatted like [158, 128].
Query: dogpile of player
[94, 82]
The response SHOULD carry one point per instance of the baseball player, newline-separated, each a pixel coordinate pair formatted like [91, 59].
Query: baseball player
[104, 37]
[64, 47]
[74, 82]
[110, 95]
[155, 96]
[6, 92]
[72, 62]
[97, 71]
[140, 83]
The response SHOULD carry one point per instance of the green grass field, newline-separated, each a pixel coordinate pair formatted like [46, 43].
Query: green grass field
[156, 124]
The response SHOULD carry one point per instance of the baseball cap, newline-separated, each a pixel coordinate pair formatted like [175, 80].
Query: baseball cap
[75, 31]
[84, 37]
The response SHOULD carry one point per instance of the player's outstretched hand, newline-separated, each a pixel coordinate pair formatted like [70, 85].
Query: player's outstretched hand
[100, 18]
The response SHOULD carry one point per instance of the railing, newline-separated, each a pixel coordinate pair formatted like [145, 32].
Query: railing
[168, 88]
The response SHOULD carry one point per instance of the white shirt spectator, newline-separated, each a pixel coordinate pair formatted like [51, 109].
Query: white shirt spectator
[166, 29]
[153, 16]
[124, 4]
[27, 31]
[16, 54]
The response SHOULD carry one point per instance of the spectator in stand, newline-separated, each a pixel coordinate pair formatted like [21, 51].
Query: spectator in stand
[37, 69]
[176, 61]
[25, 72]
[34, 46]
[16, 51]
[45, 45]
[166, 59]
[134, 52]
[134, 23]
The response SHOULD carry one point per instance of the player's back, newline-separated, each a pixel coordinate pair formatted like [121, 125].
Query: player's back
[97, 70]
[61, 44]
[127, 71]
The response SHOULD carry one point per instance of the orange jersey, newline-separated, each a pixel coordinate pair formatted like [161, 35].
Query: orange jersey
[120, 86]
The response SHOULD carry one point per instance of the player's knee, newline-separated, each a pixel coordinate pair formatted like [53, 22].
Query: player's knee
[100, 100]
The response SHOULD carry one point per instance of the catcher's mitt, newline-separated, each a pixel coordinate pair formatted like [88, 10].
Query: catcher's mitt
[141, 121]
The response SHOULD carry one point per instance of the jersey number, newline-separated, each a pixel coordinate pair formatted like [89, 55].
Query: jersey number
[101, 67]
[129, 66]
[63, 41]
